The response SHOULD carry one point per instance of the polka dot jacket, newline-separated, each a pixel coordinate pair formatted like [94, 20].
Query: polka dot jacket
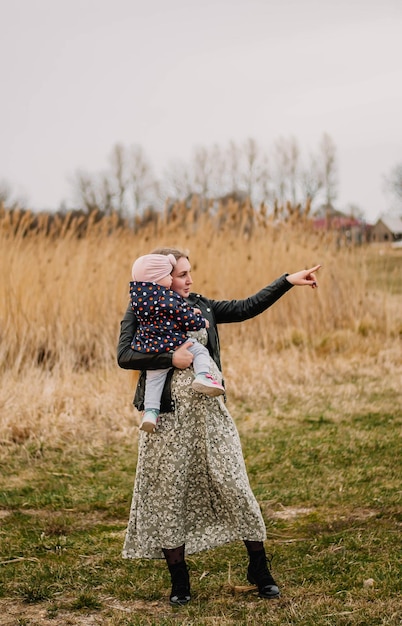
[164, 318]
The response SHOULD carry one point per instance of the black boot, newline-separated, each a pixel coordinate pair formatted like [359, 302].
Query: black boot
[259, 574]
[180, 584]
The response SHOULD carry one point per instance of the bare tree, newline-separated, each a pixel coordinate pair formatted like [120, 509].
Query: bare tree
[177, 183]
[85, 191]
[329, 169]
[232, 158]
[128, 187]
[311, 181]
[293, 168]
[142, 184]
[286, 155]
[202, 168]
[218, 169]
[250, 174]
[118, 163]
[393, 183]
[108, 195]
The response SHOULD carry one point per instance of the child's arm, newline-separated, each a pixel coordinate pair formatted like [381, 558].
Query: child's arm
[199, 312]
[185, 316]
[195, 320]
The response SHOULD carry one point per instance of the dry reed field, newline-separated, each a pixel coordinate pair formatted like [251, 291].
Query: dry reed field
[314, 385]
[62, 297]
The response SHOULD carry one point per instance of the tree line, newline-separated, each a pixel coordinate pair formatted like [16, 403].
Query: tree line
[129, 185]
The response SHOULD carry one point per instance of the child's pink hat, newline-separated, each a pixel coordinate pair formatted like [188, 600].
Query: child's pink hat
[151, 268]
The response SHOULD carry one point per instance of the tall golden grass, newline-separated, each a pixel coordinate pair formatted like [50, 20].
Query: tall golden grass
[64, 289]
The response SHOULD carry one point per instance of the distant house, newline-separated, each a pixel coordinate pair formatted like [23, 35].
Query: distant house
[326, 217]
[351, 229]
[387, 229]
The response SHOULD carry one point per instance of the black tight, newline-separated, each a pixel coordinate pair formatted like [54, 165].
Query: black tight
[254, 546]
[174, 555]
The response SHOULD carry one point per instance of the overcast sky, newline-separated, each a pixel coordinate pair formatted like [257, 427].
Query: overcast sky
[78, 76]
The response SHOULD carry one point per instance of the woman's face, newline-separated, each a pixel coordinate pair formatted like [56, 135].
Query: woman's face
[181, 275]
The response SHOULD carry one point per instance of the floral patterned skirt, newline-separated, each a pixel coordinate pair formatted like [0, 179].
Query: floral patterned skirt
[191, 485]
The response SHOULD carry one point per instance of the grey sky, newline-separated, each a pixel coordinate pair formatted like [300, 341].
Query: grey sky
[78, 76]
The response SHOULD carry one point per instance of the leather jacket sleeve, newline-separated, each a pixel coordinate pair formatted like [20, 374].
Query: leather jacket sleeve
[227, 311]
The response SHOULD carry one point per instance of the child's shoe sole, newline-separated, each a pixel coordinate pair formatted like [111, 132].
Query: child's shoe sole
[208, 391]
[148, 427]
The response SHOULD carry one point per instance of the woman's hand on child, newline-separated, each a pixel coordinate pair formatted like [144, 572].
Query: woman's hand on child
[182, 357]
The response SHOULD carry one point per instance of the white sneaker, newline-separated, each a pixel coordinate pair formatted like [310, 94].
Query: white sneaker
[149, 420]
[205, 383]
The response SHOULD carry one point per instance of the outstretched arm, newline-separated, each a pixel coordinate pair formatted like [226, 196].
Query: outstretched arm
[227, 311]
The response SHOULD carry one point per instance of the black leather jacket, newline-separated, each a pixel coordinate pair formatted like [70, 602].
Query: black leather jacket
[215, 311]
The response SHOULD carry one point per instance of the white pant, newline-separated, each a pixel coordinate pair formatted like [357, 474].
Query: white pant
[155, 379]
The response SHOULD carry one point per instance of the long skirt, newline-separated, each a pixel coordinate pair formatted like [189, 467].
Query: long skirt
[191, 485]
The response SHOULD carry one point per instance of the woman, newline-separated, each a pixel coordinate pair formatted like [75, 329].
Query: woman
[191, 490]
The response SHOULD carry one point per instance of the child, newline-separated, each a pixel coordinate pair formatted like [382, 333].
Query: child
[164, 319]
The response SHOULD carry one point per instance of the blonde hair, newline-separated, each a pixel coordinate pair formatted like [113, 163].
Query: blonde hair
[177, 252]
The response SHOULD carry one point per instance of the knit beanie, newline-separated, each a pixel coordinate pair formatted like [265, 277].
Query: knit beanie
[151, 268]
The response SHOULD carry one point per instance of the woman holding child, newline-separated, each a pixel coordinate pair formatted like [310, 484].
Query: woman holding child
[191, 490]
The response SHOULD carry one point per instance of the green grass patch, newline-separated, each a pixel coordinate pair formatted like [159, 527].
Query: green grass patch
[330, 493]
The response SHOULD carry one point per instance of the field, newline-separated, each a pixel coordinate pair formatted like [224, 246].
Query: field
[314, 385]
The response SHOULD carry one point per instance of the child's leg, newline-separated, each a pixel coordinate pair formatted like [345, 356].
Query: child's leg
[154, 383]
[202, 358]
[204, 382]
[155, 380]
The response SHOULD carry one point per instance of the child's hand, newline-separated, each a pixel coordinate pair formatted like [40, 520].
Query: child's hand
[198, 312]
